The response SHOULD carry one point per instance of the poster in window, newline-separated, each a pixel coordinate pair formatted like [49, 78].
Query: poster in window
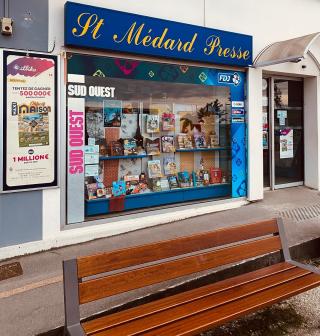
[30, 125]
[265, 140]
[282, 116]
[112, 113]
[286, 143]
[265, 124]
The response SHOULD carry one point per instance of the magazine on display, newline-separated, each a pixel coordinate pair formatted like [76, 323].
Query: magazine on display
[153, 123]
[167, 144]
[101, 192]
[118, 188]
[91, 190]
[154, 168]
[153, 146]
[103, 147]
[184, 179]
[200, 140]
[169, 166]
[155, 184]
[94, 123]
[173, 182]
[215, 175]
[214, 140]
[197, 178]
[108, 192]
[130, 107]
[168, 122]
[112, 113]
[206, 177]
[129, 147]
[188, 144]
[164, 184]
[132, 188]
[184, 141]
[116, 148]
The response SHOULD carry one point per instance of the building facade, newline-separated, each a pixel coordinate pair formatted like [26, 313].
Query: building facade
[145, 130]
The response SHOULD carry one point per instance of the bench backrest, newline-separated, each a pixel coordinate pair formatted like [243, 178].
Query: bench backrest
[98, 276]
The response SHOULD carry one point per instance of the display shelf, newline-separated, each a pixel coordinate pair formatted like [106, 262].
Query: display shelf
[139, 156]
[202, 149]
[101, 205]
[123, 157]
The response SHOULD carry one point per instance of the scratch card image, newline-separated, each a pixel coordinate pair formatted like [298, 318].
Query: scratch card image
[33, 126]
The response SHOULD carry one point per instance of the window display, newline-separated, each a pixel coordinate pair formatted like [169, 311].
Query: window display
[158, 138]
[155, 142]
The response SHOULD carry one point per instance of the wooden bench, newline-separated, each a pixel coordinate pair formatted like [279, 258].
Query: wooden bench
[88, 279]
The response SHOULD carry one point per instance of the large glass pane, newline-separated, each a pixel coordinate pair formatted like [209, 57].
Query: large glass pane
[288, 132]
[155, 138]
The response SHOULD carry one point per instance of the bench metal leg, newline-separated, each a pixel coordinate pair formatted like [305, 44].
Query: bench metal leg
[75, 330]
[286, 250]
[71, 298]
[307, 267]
[284, 240]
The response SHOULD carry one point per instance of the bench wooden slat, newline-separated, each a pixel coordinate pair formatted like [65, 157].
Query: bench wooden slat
[274, 273]
[105, 262]
[106, 286]
[193, 325]
[192, 311]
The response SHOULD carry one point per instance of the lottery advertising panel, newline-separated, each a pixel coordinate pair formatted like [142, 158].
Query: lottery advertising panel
[30, 121]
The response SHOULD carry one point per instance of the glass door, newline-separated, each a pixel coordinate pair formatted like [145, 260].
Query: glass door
[288, 146]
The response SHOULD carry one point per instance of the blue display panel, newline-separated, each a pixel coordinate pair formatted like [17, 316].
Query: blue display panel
[105, 29]
[101, 206]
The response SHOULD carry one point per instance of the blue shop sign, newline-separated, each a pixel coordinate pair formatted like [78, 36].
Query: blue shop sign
[105, 29]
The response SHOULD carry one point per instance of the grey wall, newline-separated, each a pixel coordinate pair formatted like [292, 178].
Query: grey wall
[21, 212]
[30, 24]
[20, 217]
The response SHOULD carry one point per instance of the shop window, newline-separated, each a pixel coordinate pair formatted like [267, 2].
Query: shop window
[154, 141]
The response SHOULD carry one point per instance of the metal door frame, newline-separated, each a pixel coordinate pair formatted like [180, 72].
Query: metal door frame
[273, 185]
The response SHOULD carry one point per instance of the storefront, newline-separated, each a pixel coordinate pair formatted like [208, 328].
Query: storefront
[147, 134]
[145, 120]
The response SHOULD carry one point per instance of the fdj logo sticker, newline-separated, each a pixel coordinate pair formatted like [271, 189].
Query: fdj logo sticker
[228, 78]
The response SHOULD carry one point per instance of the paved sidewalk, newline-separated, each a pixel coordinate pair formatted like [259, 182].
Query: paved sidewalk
[33, 303]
